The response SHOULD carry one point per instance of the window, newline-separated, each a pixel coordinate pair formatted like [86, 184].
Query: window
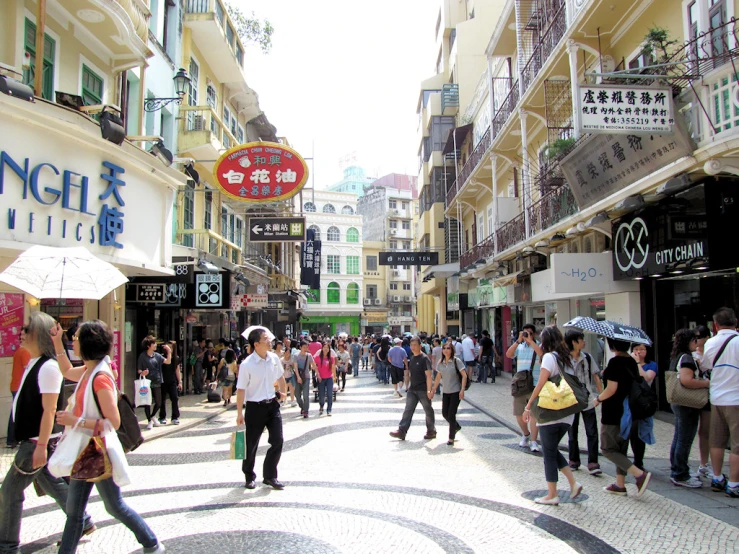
[224, 223]
[317, 231]
[405, 205]
[211, 98]
[240, 135]
[47, 90]
[333, 293]
[188, 213]
[393, 244]
[333, 234]
[192, 88]
[393, 286]
[230, 35]
[238, 234]
[371, 291]
[333, 264]
[371, 263]
[239, 54]
[716, 18]
[309, 207]
[406, 267]
[393, 204]
[352, 235]
[352, 265]
[92, 87]
[393, 224]
[208, 218]
[352, 293]
[406, 286]
[406, 224]
[347, 210]
[329, 209]
[406, 245]
[313, 296]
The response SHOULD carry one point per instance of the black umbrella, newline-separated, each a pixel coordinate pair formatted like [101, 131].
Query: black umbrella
[610, 329]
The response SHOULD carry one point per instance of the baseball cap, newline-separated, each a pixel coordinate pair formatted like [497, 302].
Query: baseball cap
[397, 341]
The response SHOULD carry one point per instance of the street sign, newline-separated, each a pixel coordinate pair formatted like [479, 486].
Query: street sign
[151, 292]
[275, 305]
[270, 229]
[409, 258]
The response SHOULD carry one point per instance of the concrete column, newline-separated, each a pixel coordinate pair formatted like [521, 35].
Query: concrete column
[624, 307]
[442, 313]
[572, 50]
[494, 168]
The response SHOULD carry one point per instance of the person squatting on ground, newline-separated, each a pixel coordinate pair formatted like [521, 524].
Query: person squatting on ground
[528, 354]
[450, 370]
[619, 374]
[38, 398]
[93, 343]
[419, 376]
[555, 360]
[258, 374]
[149, 365]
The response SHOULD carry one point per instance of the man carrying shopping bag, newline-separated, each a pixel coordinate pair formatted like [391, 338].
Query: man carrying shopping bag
[149, 365]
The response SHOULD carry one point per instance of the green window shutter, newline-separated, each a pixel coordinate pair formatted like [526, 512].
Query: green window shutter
[333, 294]
[92, 87]
[47, 91]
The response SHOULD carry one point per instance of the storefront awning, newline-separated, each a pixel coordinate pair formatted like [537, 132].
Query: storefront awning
[456, 136]
[510, 279]
[441, 270]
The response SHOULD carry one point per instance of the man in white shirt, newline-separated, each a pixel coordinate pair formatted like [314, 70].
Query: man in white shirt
[721, 358]
[468, 355]
[258, 374]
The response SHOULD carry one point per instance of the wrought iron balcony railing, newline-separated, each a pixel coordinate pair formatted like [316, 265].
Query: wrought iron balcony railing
[472, 162]
[545, 47]
[507, 107]
[511, 233]
[550, 209]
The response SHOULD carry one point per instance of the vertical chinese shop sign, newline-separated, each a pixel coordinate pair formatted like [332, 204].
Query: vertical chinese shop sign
[259, 172]
[11, 321]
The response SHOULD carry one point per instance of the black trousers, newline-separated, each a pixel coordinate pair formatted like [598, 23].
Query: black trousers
[449, 404]
[590, 420]
[156, 402]
[638, 446]
[258, 416]
[170, 389]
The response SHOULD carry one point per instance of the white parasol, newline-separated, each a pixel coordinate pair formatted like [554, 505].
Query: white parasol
[248, 330]
[53, 272]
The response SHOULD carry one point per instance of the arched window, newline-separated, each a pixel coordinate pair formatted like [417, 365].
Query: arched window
[352, 293]
[309, 207]
[352, 235]
[317, 230]
[333, 234]
[313, 296]
[347, 210]
[333, 294]
[329, 209]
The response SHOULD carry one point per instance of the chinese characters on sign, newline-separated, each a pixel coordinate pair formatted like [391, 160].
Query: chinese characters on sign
[310, 265]
[284, 229]
[622, 109]
[261, 172]
[11, 321]
[150, 293]
[607, 163]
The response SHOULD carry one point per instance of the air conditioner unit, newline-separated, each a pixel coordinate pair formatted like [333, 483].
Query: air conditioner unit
[378, 302]
[609, 65]
[396, 298]
[407, 298]
[574, 246]
[393, 231]
[593, 242]
[396, 273]
[367, 301]
[395, 212]
[198, 123]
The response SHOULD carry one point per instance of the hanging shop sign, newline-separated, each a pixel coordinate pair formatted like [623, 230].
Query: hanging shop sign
[284, 229]
[11, 321]
[621, 109]
[154, 293]
[239, 301]
[409, 258]
[604, 164]
[259, 172]
[208, 290]
[310, 261]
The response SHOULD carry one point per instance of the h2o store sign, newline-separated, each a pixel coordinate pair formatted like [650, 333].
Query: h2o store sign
[652, 244]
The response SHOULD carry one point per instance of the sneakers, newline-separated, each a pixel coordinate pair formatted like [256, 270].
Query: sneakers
[175, 421]
[158, 549]
[293, 404]
[642, 483]
[718, 484]
[594, 469]
[398, 434]
[703, 471]
[150, 425]
[162, 422]
[155, 422]
[328, 414]
[430, 435]
[524, 441]
[320, 411]
[690, 483]
[732, 492]
[613, 488]
[534, 446]
[574, 466]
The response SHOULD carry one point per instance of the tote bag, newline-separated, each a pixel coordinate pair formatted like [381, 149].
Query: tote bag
[143, 392]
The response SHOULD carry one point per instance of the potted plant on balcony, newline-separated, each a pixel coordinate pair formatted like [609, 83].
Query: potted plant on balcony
[557, 148]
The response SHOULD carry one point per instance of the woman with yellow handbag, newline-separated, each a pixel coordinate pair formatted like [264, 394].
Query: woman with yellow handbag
[550, 396]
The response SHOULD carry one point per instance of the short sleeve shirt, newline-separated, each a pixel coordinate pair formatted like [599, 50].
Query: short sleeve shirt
[524, 354]
[418, 366]
[153, 364]
[397, 355]
[486, 343]
[468, 350]
[101, 382]
[49, 379]
[620, 369]
[324, 365]
[257, 376]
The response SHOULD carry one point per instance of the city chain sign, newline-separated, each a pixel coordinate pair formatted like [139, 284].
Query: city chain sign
[260, 172]
[409, 258]
[269, 229]
[620, 109]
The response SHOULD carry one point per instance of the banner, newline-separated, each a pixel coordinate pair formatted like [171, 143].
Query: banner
[11, 322]
[310, 262]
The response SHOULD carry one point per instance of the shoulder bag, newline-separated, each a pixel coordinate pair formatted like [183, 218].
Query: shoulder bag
[580, 392]
[129, 431]
[682, 396]
[459, 373]
[523, 381]
[93, 464]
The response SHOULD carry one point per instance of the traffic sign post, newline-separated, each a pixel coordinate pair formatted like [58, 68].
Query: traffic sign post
[283, 229]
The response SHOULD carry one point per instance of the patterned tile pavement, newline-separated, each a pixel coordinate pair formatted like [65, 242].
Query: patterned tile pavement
[352, 488]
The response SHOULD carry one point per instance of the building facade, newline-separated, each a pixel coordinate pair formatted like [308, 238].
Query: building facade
[337, 306]
[354, 181]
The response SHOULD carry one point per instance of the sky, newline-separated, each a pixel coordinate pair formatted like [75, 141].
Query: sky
[343, 77]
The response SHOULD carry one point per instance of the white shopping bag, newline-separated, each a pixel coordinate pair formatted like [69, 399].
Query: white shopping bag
[67, 450]
[143, 392]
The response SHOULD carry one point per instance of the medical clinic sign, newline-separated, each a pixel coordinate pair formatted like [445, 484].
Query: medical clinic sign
[618, 109]
[259, 172]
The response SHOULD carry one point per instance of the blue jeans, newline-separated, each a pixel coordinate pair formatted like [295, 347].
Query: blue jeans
[302, 394]
[79, 492]
[486, 366]
[10, 441]
[549, 436]
[382, 368]
[355, 366]
[326, 388]
[686, 427]
[20, 475]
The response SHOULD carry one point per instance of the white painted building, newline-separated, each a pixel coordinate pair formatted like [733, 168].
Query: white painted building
[337, 306]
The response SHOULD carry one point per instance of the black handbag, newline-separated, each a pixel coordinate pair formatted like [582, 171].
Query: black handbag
[129, 431]
[523, 381]
[543, 415]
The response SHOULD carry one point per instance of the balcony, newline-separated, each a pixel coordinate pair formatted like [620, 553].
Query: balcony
[450, 99]
[506, 109]
[123, 28]
[545, 47]
[482, 250]
[511, 233]
[215, 37]
[550, 209]
[207, 240]
[203, 136]
[478, 154]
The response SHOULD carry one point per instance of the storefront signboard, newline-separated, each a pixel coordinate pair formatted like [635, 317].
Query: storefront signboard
[260, 172]
[409, 258]
[310, 261]
[579, 273]
[11, 322]
[239, 301]
[116, 354]
[284, 229]
[625, 109]
[376, 317]
[604, 164]
[154, 293]
[208, 290]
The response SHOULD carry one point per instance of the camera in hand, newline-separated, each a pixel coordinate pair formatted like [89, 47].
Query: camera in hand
[525, 334]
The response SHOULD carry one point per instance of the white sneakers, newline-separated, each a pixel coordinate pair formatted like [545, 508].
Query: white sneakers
[150, 425]
[534, 446]
[156, 422]
[524, 441]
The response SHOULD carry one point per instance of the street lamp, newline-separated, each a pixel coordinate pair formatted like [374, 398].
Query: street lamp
[181, 81]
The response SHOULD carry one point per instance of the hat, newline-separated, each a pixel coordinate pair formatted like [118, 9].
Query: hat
[397, 341]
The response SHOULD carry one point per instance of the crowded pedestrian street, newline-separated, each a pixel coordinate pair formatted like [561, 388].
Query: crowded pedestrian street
[351, 488]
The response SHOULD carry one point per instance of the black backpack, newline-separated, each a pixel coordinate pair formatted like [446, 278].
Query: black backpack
[459, 374]
[642, 399]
